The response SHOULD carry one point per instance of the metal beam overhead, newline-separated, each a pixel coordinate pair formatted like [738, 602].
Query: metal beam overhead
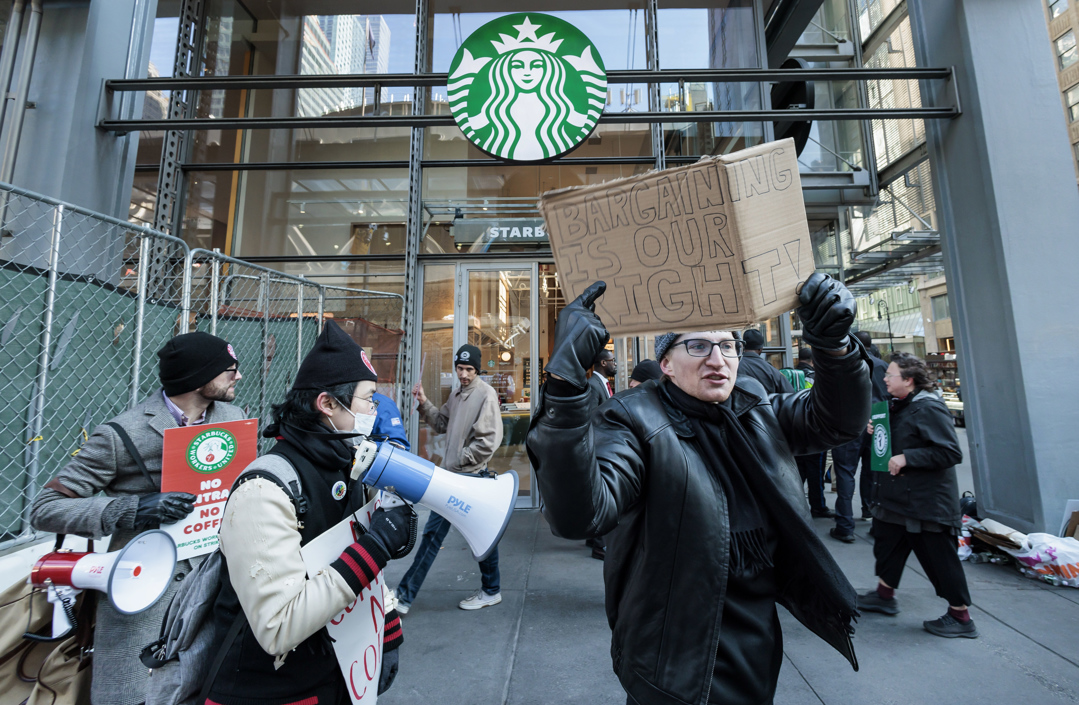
[420, 121]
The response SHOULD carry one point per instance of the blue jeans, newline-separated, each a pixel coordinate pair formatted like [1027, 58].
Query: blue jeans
[845, 464]
[433, 536]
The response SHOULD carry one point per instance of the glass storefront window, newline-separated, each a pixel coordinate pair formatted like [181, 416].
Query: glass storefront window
[605, 141]
[834, 145]
[617, 30]
[719, 35]
[436, 350]
[298, 213]
[462, 204]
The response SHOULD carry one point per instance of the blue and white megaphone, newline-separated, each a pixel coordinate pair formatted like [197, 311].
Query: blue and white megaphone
[480, 507]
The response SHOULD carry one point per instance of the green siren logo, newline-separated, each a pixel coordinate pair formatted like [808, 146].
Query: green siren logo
[527, 87]
[211, 451]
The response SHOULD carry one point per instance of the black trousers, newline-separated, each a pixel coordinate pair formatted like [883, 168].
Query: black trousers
[811, 468]
[936, 551]
[865, 479]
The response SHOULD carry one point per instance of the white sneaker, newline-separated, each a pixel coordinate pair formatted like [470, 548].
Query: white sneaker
[393, 603]
[478, 600]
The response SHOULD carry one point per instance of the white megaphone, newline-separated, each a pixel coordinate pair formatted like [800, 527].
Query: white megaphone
[480, 507]
[134, 578]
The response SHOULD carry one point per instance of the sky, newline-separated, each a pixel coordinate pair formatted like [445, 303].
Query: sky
[617, 34]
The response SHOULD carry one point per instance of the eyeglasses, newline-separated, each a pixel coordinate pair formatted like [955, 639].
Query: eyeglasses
[234, 370]
[699, 347]
[372, 402]
[889, 374]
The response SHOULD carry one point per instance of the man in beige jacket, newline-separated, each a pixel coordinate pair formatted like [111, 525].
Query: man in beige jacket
[473, 426]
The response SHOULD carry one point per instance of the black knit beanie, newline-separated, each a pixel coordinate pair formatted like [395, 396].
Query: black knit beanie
[191, 360]
[334, 359]
[754, 339]
[467, 355]
[646, 370]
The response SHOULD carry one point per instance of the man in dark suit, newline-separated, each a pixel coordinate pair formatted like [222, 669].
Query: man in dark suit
[604, 369]
[755, 366]
[103, 491]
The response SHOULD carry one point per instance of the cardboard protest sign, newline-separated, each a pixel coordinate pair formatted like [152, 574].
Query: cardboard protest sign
[882, 437]
[357, 631]
[717, 244]
[205, 460]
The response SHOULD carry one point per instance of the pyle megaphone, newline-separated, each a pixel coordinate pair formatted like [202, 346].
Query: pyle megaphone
[134, 578]
[480, 507]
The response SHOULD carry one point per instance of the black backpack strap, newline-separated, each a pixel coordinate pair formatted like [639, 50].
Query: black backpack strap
[234, 631]
[132, 451]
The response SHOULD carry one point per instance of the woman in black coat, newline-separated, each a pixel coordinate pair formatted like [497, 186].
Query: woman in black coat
[917, 502]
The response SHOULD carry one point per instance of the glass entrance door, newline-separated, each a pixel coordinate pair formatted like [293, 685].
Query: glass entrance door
[492, 306]
[495, 314]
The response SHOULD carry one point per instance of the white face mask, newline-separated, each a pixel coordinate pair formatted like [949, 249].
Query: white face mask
[362, 424]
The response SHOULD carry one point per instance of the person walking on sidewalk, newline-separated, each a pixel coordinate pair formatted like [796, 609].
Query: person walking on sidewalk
[113, 487]
[694, 478]
[283, 654]
[811, 467]
[473, 426]
[916, 505]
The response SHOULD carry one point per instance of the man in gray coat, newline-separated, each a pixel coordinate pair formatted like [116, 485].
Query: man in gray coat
[103, 492]
[472, 423]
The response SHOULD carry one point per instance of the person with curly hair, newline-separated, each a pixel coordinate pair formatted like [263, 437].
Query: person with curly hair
[916, 505]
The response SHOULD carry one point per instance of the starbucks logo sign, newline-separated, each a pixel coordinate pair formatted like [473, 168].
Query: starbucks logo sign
[880, 440]
[527, 87]
[211, 451]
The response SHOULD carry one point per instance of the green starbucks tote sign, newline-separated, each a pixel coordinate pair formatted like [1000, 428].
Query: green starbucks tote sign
[527, 87]
[882, 437]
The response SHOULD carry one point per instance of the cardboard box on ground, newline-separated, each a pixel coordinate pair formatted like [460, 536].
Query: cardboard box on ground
[719, 244]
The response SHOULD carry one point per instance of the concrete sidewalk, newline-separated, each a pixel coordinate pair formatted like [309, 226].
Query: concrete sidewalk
[548, 641]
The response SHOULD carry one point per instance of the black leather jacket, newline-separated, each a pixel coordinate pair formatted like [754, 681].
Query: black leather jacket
[628, 466]
[927, 488]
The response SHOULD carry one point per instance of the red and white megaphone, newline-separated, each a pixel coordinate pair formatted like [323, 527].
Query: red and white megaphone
[134, 578]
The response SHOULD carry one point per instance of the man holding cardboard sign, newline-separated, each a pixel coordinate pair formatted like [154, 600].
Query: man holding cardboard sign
[693, 480]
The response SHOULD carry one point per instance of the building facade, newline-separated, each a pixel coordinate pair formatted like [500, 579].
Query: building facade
[316, 137]
[1063, 19]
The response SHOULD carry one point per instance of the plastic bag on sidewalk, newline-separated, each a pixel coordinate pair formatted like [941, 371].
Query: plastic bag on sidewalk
[966, 547]
[1052, 558]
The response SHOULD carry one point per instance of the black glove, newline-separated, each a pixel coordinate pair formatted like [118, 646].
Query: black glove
[579, 336]
[395, 529]
[390, 659]
[827, 312]
[163, 508]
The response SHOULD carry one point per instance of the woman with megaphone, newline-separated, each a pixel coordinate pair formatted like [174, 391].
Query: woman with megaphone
[284, 654]
[693, 480]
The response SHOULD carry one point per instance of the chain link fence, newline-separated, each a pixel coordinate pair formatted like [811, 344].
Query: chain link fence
[375, 320]
[86, 301]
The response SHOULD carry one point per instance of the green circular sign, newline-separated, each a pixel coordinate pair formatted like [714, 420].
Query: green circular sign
[211, 451]
[527, 87]
[880, 440]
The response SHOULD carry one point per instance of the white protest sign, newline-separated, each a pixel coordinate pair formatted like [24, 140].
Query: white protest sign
[357, 630]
